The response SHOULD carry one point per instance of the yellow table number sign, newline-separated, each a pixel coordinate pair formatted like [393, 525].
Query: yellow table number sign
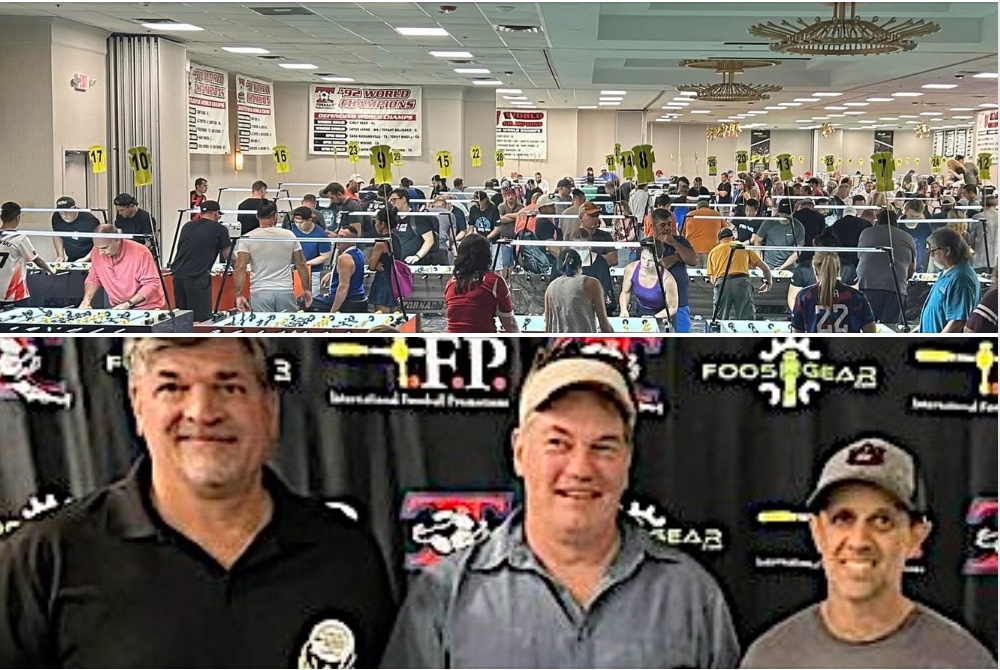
[742, 157]
[443, 161]
[499, 157]
[784, 163]
[98, 159]
[381, 160]
[280, 154]
[883, 167]
[141, 164]
[353, 152]
[476, 154]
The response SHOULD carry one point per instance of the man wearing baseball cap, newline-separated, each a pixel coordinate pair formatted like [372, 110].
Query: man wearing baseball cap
[70, 248]
[869, 517]
[568, 580]
[201, 242]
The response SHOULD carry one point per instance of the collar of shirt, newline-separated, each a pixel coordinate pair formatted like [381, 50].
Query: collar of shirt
[131, 514]
[507, 544]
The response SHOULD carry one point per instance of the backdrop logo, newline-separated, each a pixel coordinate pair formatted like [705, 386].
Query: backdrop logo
[978, 397]
[657, 523]
[981, 523]
[21, 374]
[37, 507]
[446, 373]
[791, 372]
[440, 523]
[631, 355]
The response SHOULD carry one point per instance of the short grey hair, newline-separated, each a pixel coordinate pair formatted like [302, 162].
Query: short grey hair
[138, 351]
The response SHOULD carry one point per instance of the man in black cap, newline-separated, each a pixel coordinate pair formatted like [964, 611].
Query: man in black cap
[869, 517]
[133, 220]
[72, 248]
[201, 241]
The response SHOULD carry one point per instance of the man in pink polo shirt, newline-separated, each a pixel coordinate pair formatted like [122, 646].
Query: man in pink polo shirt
[126, 271]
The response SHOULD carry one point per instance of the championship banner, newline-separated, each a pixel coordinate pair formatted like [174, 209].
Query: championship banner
[255, 115]
[368, 115]
[760, 146]
[208, 110]
[985, 139]
[522, 134]
[883, 141]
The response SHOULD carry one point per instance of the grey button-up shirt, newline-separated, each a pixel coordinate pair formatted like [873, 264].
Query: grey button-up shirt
[495, 605]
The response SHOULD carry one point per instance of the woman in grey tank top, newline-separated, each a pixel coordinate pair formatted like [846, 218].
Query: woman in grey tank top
[574, 302]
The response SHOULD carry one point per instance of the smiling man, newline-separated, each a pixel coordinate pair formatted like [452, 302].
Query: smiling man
[201, 557]
[567, 581]
[869, 519]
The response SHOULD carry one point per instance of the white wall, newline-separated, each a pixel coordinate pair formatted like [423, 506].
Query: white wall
[854, 144]
[173, 165]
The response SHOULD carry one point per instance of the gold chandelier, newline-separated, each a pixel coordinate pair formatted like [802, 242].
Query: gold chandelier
[844, 35]
[922, 131]
[729, 90]
[725, 130]
[826, 129]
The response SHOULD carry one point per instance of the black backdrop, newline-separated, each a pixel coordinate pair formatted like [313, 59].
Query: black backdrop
[718, 456]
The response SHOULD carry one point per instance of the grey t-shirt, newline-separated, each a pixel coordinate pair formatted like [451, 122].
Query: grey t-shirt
[778, 234]
[270, 261]
[873, 267]
[925, 640]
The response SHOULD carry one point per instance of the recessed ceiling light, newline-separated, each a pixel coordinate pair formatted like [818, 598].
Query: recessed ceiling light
[757, 112]
[836, 108]
[961, 117]
[422, 32]
[888, 118]
[504, 28]
[613, 92]
[171, 26]
[820, 118]
[985, 75]
[960, 109]
[907, 116]
[991, 105]
[790, 104]
[522, 104]
[587, 107]
[515, 97]
[867, 121]
[856, 104]
[245, 50]
[879, 99]
[450, 54]
[342, 80]
[940, 86]
[682, 103]
[912, 122]
[515, 91]
[854, 113]
[904, 94]
[774, 107]
[472, 70]
[661, 120]
[298, 66]
[836, 116]
[803, 121]
[828, 94]
[806, 99]
[689, 94]
[708, 111]
[609, 104]
[487, 82]
[671, 107]
[930, 113]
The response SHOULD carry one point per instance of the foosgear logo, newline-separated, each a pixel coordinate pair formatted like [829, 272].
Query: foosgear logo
[981, 528]
[331, 644]
[699, 538]
[979, 366]
[439, 523]
[630, 355]
[445, 373]
[37, 507]
[21, 363]
[785, 526]
[792, 373]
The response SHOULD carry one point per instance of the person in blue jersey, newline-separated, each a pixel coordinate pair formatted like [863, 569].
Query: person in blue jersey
[830, 305]
[956, 292]
[347, 280]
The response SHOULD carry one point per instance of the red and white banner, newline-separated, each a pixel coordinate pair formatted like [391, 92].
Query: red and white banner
[208, 110]
[986, 133]
[368, 115]
[255, 115]
[521, 134]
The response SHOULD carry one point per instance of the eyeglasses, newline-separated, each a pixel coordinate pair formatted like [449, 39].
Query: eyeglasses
[933, 249]
[395, 198]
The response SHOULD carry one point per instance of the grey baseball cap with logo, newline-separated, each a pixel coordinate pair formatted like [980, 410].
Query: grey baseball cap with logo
[874, 461]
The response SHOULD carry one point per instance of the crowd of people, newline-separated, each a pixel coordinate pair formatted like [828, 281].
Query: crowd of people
[681, 222]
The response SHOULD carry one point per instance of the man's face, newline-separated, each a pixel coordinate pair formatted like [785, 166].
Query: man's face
[206, 417]
[843, 191]
[538, 177]
[69, 217]
[305, 225]
[201, 189]
[338, 198]
[510, 197]
[590, 221]
[108, 247]
[725, 178]
[126, 212]
[563, 192]
[864, 540]
[697, 182]
[663, 226]
[400, 203]
[574, 459]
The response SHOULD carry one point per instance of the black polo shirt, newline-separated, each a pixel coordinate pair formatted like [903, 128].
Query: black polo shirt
[140, 224]
[106, 583]
[76, 247]
[199, 245]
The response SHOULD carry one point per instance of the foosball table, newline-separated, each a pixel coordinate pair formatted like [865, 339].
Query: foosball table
[63, 289]
[767, 327]
[632, 324]
[24, 320]
[305, 322]
[428, 287]
[919, 286]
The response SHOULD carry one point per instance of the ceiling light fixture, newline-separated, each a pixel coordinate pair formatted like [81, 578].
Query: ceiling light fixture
[829, 94]
[171, 26]
[985, 75]
[856, 104]
[487, 82]
[422, 32]
[846, 34]
[450, 54]
[905, 94]
[472, 70]
[298, 66]
[613, 92]
[940, 86]
[518, 29]
[245, 50]
[587, 107]
[880, 100]
[836, 108]
[342, 80]
[806, 99]
[708, 111]
[515, 91]
[689, 94]
[730, 90]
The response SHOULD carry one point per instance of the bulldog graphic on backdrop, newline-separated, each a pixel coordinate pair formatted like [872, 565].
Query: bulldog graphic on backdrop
[20, 362]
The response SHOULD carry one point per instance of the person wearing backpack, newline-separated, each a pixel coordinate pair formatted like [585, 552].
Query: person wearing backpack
[380, 293]
[533, 223]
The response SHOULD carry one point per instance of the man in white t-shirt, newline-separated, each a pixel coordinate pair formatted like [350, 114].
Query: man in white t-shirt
[15, 251]
[271, 288]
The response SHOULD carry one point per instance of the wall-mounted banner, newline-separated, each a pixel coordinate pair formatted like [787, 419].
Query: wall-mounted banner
[522, 134]
[368, 115]
[883, 141]
[255, 115]
[208, 110]
[986, 133]
[760, 146]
